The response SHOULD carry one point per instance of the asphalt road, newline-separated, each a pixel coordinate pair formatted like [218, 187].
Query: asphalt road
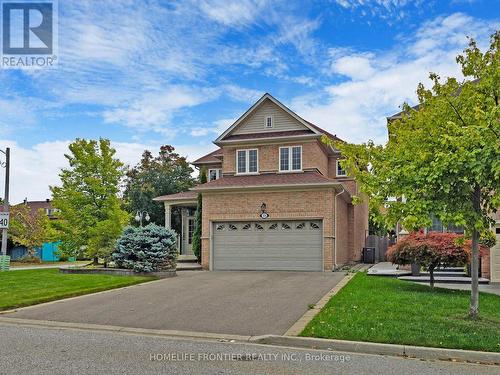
[36, 350]
[241, 303]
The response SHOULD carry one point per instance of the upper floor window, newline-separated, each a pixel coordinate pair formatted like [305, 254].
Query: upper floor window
[269, 121]
[290, 158]
[214, 174]
[247, 161]
[340, 170]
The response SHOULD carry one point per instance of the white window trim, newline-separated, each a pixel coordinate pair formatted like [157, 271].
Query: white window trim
[217, 173]
[290, 157]
[337, 170]
[272, 122]
[247, 161]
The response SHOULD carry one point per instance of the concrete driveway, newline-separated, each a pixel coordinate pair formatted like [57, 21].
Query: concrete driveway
[242, 303]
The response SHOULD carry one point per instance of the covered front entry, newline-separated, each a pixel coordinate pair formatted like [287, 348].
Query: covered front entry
[180, 211]
[286, 245]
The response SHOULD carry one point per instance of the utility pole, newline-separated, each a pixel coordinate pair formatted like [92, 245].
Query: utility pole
[6, 198]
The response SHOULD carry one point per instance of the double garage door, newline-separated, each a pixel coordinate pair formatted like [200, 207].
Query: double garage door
[268, 245]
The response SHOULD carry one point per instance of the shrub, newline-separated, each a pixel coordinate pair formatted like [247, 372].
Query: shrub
[146, 249]
[29, 259]
[197, 230]
[431, 251]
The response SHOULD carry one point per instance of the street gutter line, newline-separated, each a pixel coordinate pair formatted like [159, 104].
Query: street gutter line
[304, 343]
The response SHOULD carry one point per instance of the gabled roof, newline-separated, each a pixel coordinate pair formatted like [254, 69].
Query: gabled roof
[211, 158]
[314, 130]
[398, 115]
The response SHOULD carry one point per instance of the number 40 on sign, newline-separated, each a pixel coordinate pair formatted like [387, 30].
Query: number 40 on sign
[4, 220]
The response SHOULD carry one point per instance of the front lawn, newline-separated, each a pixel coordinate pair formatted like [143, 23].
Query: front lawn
[29, 287]
[386, 310]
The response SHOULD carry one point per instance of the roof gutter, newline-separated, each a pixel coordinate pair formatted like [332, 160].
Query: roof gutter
[245, 187]
[268, 139]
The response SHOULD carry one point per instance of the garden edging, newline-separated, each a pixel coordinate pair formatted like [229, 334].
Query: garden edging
[118, 272]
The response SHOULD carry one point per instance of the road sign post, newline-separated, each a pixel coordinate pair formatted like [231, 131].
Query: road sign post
[4, 217]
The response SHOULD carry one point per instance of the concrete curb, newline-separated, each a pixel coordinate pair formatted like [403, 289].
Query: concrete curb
[304, 320]
[130, 330]
[381, 349]
[405, 351]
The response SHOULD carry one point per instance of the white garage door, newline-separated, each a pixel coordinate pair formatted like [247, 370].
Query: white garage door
[495, 258]
[268, 245]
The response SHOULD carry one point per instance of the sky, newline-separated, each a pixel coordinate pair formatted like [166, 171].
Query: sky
[147, 73]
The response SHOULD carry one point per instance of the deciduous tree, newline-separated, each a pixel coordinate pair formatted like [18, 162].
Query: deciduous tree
[167, 173]
[442, 158]
[90, 217]
[29, 229]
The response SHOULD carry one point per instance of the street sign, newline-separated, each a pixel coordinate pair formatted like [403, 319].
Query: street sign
[4, 220]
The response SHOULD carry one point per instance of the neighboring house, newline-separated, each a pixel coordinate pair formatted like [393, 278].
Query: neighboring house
[49, 250]
[495, 252]
[276, 198]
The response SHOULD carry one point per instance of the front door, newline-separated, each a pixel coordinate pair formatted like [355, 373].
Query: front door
[188, 235]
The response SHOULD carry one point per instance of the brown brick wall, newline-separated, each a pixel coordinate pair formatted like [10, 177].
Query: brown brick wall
[313, 157]
[280, 205]
[342, 235]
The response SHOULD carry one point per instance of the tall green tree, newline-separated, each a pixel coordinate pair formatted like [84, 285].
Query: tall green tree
[442, 158]
[197, 229]
[167, 173]
[90, 218]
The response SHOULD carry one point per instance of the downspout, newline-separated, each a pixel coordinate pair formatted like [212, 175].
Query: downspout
[334, 267]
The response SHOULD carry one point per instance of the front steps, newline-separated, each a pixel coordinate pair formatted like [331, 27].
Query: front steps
[188, 263]
[443, 279]
[449, 275]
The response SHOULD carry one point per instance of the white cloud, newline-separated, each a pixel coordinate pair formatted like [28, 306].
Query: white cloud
[233, 13]
[385, 9]
[154, 110]
[379, 83]
[354, 66]
[216, 128]
[34, 168]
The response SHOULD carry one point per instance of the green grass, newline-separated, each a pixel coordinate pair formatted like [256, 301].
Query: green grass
[386, 310]
[29, 287]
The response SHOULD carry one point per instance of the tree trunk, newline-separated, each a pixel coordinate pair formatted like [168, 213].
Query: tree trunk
[474, 297]
[96, 261]
[431, 276]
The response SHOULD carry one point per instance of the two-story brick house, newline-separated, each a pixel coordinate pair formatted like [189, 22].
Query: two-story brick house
[276, 197]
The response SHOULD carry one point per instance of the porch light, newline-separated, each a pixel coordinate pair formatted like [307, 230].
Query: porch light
[263, 207]
[142, 215]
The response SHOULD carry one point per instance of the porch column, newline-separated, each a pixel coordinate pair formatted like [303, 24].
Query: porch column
[168, 215]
